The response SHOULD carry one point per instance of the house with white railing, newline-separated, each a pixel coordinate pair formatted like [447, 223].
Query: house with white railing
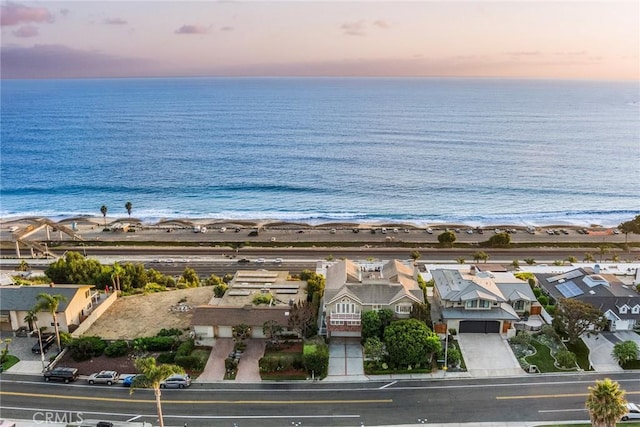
[352, 288]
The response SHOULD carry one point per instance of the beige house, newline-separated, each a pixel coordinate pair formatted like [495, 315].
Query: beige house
[475, 301]
[238, 305]
[352, 288]
[17, 301]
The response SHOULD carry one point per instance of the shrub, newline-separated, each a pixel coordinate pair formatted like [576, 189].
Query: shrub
[85, 348]
[268, 364]
[154, 287]
[219, 290]
[168, 357]
[522, 338]
[185, 348]
[551, 309]
[316, 359]
[169, 332]
[230, 364]
[265, 299]
[117, 349]
[537, 292]
[550, 333]
[157, 343]
[566, 359]
[543, 300]
[190, 362]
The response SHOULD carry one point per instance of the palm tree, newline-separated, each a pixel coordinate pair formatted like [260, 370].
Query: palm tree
[128, 206]
[603, 251]
[606, 403]
[50, 303]
[480, 256]
[571, 259]
[103, 211]
[530, 261]
[116, 272]
[460, 260]
[32, 319]
[151, 377]
[588, 257]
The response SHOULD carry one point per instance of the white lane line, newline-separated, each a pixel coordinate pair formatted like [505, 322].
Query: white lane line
[562, 410]
[134, 418]
[387, 385]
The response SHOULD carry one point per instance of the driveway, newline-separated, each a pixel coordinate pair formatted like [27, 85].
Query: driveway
[248, 370]
[488, 355]
[600, 357]
[20, 347]
[345, 360]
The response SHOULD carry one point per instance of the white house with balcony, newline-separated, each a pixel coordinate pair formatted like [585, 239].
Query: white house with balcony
[352, 288]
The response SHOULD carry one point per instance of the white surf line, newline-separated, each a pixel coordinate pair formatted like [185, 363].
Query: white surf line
[387, 385]
[134, 418]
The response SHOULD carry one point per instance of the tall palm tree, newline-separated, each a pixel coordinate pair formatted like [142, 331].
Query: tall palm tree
[50, 303]
[116, 273]
[603, 251]
[103, 211]
[588, 257]
[606, 403]
[32, 319]
[151, 377]
[128, 206]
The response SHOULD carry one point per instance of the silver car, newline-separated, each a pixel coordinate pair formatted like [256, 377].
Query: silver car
[104, 377]
[176, 381]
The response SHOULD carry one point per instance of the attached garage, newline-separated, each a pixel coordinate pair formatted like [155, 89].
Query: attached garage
[348, 334]
[479, 327]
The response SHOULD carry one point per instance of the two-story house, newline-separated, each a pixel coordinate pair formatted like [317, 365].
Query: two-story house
[619, 302]
[352, 288]
[480, 302]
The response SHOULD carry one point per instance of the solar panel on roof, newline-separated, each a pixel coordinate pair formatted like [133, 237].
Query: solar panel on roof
[566, 276]
[569, 289]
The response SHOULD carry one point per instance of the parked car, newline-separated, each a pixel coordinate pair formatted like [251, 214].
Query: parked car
[61, 374]
[633, 412]
[47, 341]
[244, 261]
[176, 381]
[104, 377]
[128, 380]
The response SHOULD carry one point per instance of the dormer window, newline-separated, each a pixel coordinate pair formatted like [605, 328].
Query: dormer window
[636, 309]
[623, 309]
[477, 303]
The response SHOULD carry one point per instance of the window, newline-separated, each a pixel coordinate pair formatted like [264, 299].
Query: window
[471, 303]
[86, 294]
[345, 306]
[337, 322]
[403, 308]
[484, 304]
[636, 309]
[376, 307]
[623, 309]
[474, 303]
[518, 305]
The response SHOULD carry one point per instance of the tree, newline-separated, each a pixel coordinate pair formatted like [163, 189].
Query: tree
[606, 403]
[374, 349]
[241, 332]
[500, 239]
[302, 318]
[530, 261]
[371, 325]
[460, 260]
[632, 226]
[410, 342]
[50, 303]
[422, 312]
[315, 285]
[129, 207]
[31, 318]
[574, 318]
[24, 266]
[588, 257]
[189, 278]
[272, 330]
[415, 256]
[448, 238]
[625, 351]
[103, 211]
[116, 272]
[151, 375]
[515, 264]
[603, 251]
[480, 256]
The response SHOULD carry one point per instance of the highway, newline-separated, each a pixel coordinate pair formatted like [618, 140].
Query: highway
[532, 398]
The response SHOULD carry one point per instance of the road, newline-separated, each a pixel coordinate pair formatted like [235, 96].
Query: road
[533, 398]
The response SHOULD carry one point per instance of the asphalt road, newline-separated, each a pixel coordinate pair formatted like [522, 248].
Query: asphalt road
[535, 398]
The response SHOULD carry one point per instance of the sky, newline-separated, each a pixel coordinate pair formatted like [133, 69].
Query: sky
[511, 38]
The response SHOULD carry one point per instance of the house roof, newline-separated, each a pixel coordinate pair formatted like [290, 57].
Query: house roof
[230, 316]
[610, 296]
[503, 312]
[456, 285]
[382, 285]
[24, 298]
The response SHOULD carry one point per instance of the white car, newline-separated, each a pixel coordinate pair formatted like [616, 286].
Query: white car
[104, 377]
[633, 412]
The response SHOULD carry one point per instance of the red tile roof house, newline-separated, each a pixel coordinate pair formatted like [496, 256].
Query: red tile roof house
[352, 288]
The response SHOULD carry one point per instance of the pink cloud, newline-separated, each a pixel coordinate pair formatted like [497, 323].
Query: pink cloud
[114, 21]
[16, 14]
[192, 29]
[356, 28]
[26, 31]
[381, 24]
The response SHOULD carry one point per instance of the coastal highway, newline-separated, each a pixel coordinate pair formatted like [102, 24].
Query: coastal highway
[392, 402]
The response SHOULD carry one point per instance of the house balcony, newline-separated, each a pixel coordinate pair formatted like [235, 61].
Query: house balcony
[344, 318]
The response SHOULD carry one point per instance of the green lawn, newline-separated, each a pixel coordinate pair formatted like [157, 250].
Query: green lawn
[542, 359]
[582, 354]
[9, 362]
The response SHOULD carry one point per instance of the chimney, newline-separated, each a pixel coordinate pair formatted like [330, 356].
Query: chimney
[473, 270]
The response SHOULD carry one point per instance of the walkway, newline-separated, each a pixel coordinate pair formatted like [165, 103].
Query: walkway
[600, 356]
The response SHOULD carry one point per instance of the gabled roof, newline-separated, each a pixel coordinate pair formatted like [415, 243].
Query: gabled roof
[24, 298]
[384, 285]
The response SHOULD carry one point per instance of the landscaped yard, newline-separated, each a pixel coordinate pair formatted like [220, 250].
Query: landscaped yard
[581, 351]
[9, 361]
[283, 363]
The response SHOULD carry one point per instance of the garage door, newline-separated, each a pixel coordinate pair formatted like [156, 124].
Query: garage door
[479, 326]
[345, 334]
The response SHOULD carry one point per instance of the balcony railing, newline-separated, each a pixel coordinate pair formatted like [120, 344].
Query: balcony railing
[344, 316]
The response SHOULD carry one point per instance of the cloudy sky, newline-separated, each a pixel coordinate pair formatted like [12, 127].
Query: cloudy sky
[509, 38]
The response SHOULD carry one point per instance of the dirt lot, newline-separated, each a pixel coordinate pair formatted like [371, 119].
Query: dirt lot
[144, 315]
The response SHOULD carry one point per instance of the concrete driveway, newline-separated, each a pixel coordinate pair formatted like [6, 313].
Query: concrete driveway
[248, 370]
[488, 355]
[29, 363]
[345, 360]
[600, 357]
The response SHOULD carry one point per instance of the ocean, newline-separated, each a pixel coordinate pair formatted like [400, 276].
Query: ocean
[315, 150]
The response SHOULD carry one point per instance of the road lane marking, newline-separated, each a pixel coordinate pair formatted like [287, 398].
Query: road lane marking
[563, 410]
[134, 418]
[551, 396]
[387, 385]
[208, 402]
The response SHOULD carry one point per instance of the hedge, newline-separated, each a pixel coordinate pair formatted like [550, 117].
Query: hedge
[117, 349]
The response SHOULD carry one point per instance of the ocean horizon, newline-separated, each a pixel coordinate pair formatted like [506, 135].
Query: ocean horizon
[318, 150]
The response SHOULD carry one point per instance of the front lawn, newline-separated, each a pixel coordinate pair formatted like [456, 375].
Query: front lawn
[542, 358]
[582, 354]
[10, 360]
[283, 363]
